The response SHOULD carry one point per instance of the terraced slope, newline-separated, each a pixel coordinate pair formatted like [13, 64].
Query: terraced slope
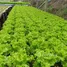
[33, 38]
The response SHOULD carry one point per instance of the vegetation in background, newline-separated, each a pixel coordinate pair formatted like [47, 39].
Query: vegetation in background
[5, 0]
[22, 3]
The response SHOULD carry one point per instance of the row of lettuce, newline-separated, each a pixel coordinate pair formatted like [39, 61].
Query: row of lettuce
[19, 3]
[33, 38]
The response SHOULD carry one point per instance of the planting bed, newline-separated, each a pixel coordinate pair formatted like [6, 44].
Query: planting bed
[18, 3]
[33, 38]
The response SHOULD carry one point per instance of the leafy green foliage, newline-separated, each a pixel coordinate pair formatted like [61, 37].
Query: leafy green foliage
[33, 38]
[21, 3]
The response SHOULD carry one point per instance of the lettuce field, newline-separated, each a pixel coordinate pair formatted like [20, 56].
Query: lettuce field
[33, 38]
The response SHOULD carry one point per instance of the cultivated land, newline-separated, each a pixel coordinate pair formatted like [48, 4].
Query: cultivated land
[33, 38]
